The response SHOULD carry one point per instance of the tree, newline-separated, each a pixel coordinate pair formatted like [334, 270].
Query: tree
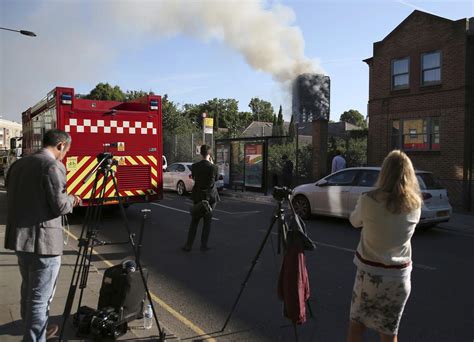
[274, 126]
[291, 127]
[280, 128]
[104, 91]
[262, 110]
[135, 94]
[174, 121]
[354, 117]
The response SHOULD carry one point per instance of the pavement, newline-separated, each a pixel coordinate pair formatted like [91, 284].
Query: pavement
[10, 281]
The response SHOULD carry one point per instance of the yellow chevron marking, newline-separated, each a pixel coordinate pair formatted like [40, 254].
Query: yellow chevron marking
[81, 163]
[81, 178]
[154, 172]
[140, 192]
[153, 159]
[110, 184]
[143, 160]
[129, 193]
[154, 183]
[131, 160]
[86, 185]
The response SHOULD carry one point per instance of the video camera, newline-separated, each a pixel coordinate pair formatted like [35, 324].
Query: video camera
[281, 193]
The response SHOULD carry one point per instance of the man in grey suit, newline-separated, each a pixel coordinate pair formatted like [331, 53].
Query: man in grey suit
[36, 200]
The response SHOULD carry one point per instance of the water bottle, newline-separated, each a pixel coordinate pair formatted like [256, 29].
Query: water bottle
[148, 317]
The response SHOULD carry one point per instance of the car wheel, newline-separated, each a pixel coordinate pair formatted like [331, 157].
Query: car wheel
[302, 206]
[181, 188]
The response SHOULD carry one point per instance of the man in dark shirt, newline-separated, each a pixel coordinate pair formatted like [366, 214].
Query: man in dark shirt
[205, 175]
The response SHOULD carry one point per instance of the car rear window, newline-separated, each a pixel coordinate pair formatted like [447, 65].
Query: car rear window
[190, 167]
[428, 182]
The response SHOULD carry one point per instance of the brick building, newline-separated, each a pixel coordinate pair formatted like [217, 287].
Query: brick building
[421, 99]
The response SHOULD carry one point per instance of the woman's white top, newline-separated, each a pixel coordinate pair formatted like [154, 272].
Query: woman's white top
[385, 237]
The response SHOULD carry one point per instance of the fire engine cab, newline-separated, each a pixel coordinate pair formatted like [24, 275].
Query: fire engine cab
[131, 131]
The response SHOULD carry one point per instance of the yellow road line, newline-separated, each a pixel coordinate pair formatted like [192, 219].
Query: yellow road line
[160, 302]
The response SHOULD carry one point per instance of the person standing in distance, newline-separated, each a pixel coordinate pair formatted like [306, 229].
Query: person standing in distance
[287, 171]
[338, 162]
[36, 200]
[205, 175]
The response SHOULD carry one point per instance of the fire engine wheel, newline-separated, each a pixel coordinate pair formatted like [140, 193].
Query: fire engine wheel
[302, 206]
[181, 188]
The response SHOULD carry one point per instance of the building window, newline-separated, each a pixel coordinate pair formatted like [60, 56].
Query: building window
[400, 73]
[416, 134]
[431, 68]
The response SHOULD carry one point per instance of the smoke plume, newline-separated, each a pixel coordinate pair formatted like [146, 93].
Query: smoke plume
[263, 33]
[79, 43]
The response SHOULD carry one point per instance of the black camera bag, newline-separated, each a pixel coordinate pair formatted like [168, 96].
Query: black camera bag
[124, 292]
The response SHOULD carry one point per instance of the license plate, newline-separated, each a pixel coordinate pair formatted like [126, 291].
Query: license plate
[442, 213]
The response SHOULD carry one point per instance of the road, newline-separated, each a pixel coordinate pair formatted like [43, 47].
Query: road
[194, 291]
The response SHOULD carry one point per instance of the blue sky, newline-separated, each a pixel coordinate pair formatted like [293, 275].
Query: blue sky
[80, 43]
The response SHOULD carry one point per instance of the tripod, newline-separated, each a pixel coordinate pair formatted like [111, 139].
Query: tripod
[88, 238]
[279, 218]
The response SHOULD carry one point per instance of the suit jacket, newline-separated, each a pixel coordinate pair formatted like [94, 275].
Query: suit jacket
[36, 200]
[205, 175]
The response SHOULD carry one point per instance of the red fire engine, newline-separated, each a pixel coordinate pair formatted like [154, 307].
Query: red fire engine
[131, 131]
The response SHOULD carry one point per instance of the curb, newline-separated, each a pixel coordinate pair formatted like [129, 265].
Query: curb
[248, 197]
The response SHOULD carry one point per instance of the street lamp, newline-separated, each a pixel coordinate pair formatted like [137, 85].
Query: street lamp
[23, 32]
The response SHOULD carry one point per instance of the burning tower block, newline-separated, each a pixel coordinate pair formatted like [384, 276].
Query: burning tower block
[311, 99]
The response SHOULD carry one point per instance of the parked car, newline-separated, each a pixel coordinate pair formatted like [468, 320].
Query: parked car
[337, 194]
[178, 177]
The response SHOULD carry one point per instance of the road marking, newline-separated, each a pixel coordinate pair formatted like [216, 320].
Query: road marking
[335, 247]
[237, 212]
[176, 209]
[423, 267]
[160, 301]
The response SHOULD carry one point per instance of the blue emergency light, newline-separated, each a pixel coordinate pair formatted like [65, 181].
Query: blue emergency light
[154, 104]
[66, 98]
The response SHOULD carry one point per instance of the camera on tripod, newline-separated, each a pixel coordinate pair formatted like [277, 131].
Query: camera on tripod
[282, 193]
[106, 159]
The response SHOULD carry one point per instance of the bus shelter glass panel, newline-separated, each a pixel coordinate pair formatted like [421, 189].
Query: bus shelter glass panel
[223, 161]
[254, 165]
[237, 162]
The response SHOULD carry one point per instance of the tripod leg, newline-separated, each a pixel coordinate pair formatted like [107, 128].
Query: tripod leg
[137, 257]
[247, 277]
[80, 259]
[91, 236]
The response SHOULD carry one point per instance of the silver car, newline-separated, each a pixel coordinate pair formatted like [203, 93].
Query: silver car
[337, 194]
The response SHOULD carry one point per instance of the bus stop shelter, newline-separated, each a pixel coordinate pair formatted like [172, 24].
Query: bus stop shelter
[244, 162]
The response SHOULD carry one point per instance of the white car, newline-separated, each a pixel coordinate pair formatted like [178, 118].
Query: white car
[178, 177]
[337, 194]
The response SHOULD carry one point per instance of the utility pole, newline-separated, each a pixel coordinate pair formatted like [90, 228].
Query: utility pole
[203, 129]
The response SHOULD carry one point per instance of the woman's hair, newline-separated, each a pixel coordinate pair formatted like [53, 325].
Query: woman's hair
[397, 184]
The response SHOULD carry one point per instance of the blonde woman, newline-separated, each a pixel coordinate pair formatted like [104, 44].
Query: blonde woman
[388, 216]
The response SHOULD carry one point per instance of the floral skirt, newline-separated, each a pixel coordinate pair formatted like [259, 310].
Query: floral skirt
[378, 301]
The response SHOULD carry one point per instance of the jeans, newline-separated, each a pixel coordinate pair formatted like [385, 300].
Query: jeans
[39, 274]
[206, 229]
